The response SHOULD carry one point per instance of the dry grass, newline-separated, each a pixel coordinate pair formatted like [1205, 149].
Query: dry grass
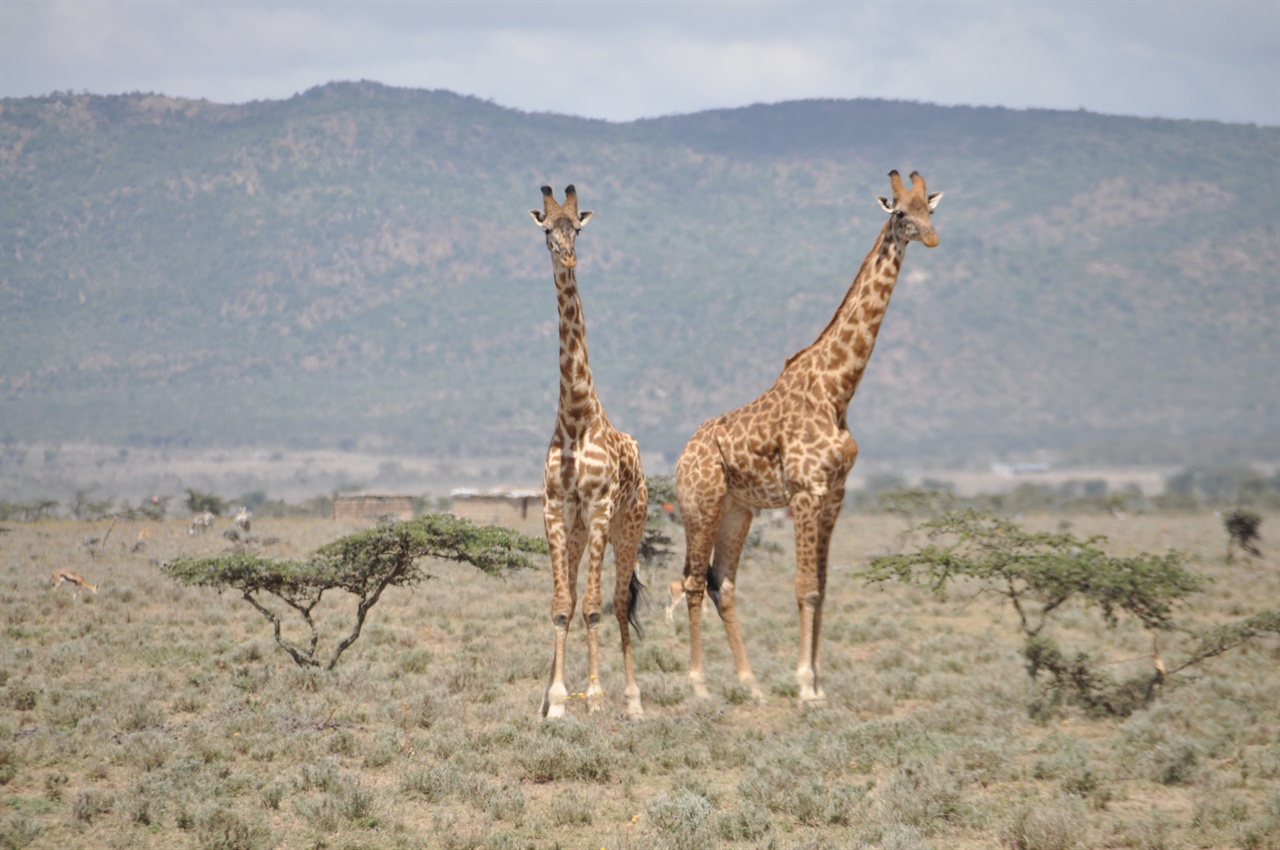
[152, 715]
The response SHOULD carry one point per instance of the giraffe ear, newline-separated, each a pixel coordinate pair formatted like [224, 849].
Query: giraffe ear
[933, 201]
[885, 203]
[584, 217]
[538, 215]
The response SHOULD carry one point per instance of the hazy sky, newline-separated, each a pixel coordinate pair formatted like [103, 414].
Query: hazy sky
[622, 60]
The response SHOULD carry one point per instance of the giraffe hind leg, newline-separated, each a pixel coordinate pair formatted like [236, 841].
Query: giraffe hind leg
[735, 524]
[810, 528]
[627, 534]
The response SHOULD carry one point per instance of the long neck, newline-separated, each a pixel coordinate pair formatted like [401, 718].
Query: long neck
[578, 403]
[840, 354]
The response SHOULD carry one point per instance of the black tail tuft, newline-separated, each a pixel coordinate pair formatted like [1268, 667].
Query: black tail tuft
[713, 588]
[636, 590]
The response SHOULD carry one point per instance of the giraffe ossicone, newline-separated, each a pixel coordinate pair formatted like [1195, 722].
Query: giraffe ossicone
[594, 491]
[791, 446]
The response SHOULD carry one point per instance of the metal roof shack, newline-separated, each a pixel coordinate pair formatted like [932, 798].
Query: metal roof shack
[495, 507]
[372, 506]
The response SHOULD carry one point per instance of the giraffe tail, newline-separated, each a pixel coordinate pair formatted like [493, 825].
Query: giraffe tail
[713, 588]
[634, 591]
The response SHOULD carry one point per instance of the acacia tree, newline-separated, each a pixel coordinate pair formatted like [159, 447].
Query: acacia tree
[1039, 572]
[1242, 530]
[363, 564]
[198, 502]
[656, 545]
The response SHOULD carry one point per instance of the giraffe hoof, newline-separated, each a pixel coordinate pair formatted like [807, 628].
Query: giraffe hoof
[595, 698]
[553, 702]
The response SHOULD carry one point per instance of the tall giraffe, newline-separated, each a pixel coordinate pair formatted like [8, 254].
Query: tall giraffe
[791, 446]
[594, 490]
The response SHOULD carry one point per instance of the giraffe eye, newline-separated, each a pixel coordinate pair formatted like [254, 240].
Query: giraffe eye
[900, 214]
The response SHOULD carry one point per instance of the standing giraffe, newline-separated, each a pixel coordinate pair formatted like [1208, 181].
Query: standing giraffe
[791, 446]
[593, 487]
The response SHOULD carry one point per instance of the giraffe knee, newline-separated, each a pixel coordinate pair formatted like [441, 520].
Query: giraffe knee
[593, 619]
[560, 621]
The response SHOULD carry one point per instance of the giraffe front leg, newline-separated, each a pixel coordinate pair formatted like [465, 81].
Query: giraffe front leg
[807, 510]
[592, 604]
[553, 698]
[565, 552]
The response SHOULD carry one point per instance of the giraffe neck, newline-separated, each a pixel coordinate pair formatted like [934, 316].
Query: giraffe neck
[578, 402]
[839, 356]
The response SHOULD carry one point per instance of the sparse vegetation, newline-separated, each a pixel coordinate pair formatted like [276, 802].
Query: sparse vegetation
[158, 714]
[1039, 573]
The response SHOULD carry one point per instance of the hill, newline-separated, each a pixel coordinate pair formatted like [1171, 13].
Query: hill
[355, 267]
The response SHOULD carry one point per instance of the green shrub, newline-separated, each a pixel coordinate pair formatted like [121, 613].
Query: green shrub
[222, 829]
[682, 821]
[1054, 825]
[17, 831]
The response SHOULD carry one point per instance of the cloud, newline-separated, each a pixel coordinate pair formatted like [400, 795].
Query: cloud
[623, 60]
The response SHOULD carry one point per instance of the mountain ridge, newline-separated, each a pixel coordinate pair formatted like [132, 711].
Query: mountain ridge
[355, 264]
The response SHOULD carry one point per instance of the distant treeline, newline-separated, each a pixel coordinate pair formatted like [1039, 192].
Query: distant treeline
[1192, 489]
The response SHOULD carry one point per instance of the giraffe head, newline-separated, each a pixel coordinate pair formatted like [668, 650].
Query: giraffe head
[561, 224]
[911, 209]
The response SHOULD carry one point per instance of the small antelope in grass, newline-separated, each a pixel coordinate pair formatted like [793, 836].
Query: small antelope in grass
[200, 523]
[242, 519]
[676, 588]
[76, 581]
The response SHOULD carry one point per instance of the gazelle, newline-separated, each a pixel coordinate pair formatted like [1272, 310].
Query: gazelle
[200, 523]
[676, 588]
[242, 519]
[76, 581]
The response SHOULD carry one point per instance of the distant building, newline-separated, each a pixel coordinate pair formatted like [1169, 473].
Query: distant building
[372, 506]
[495, 507]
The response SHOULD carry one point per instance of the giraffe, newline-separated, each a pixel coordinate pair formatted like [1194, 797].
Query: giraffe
[594, 491]
[791, 446]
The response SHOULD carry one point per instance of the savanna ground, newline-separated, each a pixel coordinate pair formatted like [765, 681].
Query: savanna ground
[156, 715]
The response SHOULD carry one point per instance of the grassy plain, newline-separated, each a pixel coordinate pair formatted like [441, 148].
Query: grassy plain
[152, 715]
